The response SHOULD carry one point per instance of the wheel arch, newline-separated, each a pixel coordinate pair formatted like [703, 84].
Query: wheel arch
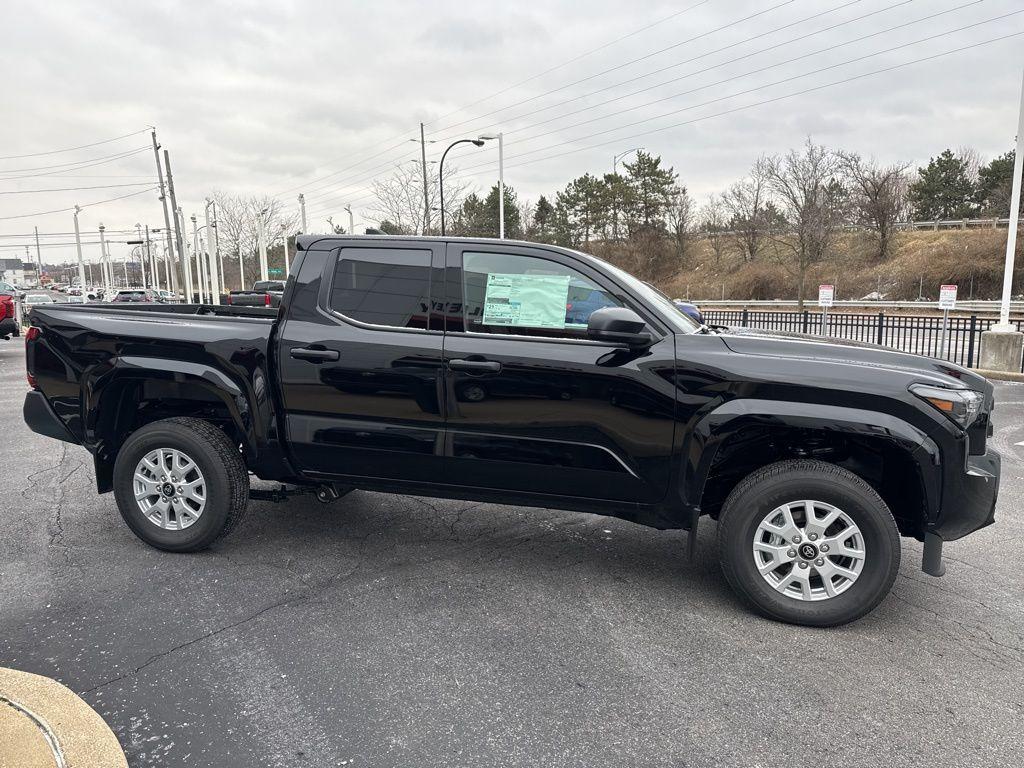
[743, 435]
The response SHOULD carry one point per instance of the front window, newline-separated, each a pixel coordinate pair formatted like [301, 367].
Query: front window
[528, 296]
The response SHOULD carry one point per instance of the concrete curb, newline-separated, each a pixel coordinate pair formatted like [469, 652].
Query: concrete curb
[999, 375]
[43, 723]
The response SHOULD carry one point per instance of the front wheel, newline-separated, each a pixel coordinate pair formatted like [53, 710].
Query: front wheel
[180, 484]
[808, 542]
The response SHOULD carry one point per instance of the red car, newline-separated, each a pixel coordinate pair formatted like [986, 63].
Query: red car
[8, 317]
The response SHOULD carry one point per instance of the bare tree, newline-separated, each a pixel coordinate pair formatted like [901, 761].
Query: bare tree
[679, 218]
[399, 197]
[878, 197]
[240, 221]
[714, 224]
[746, 203]
[808, 186]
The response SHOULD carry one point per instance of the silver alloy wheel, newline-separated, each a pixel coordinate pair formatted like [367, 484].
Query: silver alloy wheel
[809, 550]
[169, 489]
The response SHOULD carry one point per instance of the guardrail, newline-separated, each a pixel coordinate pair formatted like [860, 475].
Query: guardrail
[967, 305]
[917, 334]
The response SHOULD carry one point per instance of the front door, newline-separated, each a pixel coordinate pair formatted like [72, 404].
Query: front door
[533, 405]
[360, 364]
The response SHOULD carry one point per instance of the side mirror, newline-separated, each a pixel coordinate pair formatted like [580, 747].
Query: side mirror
[618, 325]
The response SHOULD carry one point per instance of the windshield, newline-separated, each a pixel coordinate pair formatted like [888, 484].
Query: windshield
[680, 322]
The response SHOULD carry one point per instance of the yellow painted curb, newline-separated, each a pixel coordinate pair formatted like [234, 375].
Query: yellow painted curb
[45, 725]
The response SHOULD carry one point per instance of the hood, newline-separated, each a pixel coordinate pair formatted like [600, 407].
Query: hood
[803, 346]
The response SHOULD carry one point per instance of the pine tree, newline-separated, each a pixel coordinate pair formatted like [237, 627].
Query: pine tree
[995, 186]
[543, 220]
[943, 189]
[651, 192]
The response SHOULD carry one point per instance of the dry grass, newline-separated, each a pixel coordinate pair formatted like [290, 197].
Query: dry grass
[955, 256]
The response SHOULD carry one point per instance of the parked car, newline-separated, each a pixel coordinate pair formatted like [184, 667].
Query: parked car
[169, 297]
[8, 311]
[37, 299]
[79, 299]
[264, 293]
[137, 295]
[813, 455]
[690, 310]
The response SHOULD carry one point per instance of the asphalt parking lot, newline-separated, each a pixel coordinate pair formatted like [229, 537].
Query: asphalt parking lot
[397, 631]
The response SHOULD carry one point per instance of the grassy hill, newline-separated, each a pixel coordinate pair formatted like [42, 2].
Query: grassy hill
[968, 258]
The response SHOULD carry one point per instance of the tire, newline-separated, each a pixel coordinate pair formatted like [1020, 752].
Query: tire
[219, 477]
[794, 589]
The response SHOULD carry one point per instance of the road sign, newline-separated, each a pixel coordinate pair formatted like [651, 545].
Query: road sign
[275, 271]
[826, 293]
[947, 297]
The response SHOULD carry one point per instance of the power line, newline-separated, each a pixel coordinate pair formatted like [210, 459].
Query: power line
[722, 63]
[73, 149]
[626, 64]
[112, 159]
[65, 165]
[573, 60]
[766, 101]
[738, 93]
[72, 189]
[756, 72]
[64, 210]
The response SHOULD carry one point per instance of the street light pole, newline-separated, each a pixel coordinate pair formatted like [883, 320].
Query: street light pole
[426, 189]
[262, 246]
[199, 260]
[302, 211]
[78, 247]
[103, 263]
[351, 221]
[217, 276]
[440, 173]
[501, 181]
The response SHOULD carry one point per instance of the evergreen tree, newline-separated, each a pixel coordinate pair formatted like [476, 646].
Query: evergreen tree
[651, 192]
[543, 220]
[943, 189]
[582, 204]
[995, 186]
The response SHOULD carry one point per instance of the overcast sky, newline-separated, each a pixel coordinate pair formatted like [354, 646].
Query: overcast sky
[284, 97]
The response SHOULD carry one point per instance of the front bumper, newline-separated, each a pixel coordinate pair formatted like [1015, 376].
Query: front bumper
[969, 497]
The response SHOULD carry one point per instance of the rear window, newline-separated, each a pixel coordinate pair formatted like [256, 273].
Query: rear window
[267, 286]
[382, 286]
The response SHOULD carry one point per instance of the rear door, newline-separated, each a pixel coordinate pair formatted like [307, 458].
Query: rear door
[533, 405]
[360, 362]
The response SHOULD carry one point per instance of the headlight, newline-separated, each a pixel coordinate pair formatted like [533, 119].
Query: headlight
[961, 405]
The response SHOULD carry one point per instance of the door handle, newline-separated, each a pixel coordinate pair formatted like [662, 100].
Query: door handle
[475, 366]
[315, 355]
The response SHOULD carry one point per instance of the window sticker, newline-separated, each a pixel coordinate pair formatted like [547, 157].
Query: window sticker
[530, 301]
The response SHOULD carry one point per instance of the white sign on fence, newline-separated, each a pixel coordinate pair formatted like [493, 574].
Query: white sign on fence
[825, 295]
[947, 297]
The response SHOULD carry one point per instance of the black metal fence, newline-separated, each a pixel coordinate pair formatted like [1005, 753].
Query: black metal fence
[921, 335]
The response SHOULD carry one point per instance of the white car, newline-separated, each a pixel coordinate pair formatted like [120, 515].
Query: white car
[37, 298]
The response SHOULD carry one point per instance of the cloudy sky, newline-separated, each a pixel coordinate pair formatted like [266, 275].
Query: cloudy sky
[322, 97]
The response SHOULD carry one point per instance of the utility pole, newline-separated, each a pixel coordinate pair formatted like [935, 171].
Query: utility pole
[178, 237]
[172, 284]
[287, 269]
[426, 189]
[351, 225]
[302, 210]
[186, 260]
[103, 264]
[1001, 345]
[78, 247]
[39, 254]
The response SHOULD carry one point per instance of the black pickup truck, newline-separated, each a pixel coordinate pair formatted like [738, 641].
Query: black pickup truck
[264, 293]
[524, 374]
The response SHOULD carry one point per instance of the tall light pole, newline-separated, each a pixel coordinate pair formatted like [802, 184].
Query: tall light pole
[501, 181]
[199, 260]
[262, 245]
[154, 278]
[426, 187]
[351, 221]
[440, 173]
[103, 263]
[78, 247]
[302, 211]
[1001, 345]
[216, 257]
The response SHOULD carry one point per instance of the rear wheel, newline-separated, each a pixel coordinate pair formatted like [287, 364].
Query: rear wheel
[180, 484]
[808, 543]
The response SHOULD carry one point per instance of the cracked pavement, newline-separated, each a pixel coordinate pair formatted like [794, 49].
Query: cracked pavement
[397, 631]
